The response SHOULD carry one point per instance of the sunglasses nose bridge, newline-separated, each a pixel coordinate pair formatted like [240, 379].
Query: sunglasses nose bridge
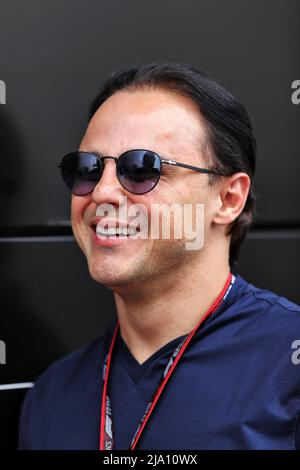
[108, 156]
[104, 164]
[108, 182]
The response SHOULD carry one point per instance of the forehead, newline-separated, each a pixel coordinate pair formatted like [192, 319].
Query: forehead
[155, 119]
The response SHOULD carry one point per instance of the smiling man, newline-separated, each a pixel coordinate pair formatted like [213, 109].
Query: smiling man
[197, 358]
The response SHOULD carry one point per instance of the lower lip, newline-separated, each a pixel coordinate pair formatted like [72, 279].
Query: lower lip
[109, 241]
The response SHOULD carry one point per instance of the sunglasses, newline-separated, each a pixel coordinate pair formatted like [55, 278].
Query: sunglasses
[138, 170]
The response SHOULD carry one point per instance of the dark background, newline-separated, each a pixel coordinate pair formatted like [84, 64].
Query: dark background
[53, 57]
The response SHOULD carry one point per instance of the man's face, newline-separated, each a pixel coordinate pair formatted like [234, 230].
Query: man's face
[170, 125]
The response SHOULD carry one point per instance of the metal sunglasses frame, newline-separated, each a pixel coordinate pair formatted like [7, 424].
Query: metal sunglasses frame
[162, 160]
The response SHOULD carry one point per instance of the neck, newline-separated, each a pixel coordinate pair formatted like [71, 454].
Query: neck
[170, 308]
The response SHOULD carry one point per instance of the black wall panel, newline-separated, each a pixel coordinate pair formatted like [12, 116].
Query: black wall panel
[53, 57]
[50, 305]
[272, 262]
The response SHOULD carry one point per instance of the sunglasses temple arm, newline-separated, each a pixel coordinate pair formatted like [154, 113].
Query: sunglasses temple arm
[190, 167]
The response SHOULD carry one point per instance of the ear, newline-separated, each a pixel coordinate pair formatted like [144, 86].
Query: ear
[233, 193]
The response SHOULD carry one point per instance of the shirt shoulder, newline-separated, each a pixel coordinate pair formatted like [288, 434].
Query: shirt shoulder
[266, 301]
[259, 317]
[62, 382]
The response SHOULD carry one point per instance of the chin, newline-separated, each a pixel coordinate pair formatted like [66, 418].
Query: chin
[109, 277]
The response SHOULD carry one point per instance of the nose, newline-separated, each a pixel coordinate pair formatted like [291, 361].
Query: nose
[108, 188]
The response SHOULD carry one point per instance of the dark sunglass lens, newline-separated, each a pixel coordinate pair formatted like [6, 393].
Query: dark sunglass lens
[81, 172]
[138, 170]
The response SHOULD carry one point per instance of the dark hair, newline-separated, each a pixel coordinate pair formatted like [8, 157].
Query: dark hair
[230, 139]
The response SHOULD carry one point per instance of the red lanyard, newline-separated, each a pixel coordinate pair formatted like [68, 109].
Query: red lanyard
[106, 426]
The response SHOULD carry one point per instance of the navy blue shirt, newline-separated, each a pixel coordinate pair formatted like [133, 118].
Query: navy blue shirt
[237, 386]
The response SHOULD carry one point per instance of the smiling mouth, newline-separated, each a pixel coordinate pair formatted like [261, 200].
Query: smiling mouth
[115, 231]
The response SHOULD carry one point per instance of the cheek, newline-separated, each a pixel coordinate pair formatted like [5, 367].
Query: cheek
[78, 205]
[166, 195]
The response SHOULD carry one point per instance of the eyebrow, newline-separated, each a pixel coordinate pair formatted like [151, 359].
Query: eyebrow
[163, 156]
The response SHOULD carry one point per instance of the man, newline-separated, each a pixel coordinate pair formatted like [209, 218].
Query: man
[202, 355]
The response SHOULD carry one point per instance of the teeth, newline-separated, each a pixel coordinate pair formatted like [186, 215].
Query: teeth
[111, 232]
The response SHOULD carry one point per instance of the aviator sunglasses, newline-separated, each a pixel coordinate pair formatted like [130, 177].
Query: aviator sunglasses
[138, 170]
